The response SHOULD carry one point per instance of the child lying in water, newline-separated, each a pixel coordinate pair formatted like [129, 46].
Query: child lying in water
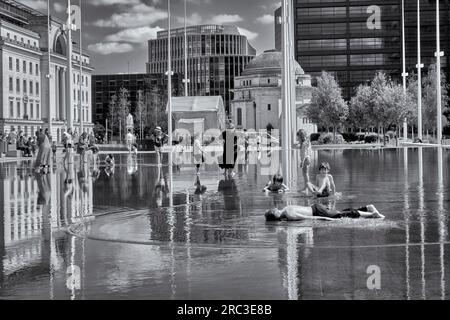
[320, 212]
[276, 185]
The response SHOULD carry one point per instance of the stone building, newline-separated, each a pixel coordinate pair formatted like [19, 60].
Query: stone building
[257, 95]
[24, 62]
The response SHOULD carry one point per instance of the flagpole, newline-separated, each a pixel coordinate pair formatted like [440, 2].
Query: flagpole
[169, 78]
[69, 67]
[49, 68]
[419, 77]
[438, 54]
[404, 73]
[81, 78]
[186, 81]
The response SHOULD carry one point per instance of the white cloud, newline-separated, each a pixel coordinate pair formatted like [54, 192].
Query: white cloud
[225, 19]
[249, 34]
[110, 48]
[59, 7]
[134, 35]
[266, 19]
[136, 16]
[35, 4]
[112, 2]
[194, 19]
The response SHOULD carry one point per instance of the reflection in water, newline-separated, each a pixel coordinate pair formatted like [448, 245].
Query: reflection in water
[421, 210]
[406, 213]
[442, 218]
[33, 208]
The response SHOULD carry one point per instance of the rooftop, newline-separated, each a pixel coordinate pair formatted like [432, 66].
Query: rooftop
[268, 62]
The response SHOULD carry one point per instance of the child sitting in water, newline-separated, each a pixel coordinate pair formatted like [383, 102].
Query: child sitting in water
[276, 185]
[325, 186]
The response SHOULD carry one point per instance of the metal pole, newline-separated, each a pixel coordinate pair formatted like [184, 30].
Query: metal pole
[285, 91]
[419, 77]
[438, 54]
[49, 69]
[81, 79]
[69, 68]
[404, 73]
[169, 78]
[186, 81]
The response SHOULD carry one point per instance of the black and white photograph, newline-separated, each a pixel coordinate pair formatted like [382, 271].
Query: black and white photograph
[239, 153]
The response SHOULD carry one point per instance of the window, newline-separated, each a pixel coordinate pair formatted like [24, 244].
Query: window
[10, 63]
[269, 107]
[268, 80]
[37, 69]
[8, 35]
[21, 40]
[31, 87]
[17, 85]
[24, 67]
[24, 86]
[31, 110]
[18, 109]
[25, 111]
[31, 68]
[17, 65]
[11, 109]
[15, 38]
[37, 88]
[37, 111]
[11, 84]
[87, 83]
[239, 117]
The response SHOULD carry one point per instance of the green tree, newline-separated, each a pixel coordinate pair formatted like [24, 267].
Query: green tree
[359, 106]
[429, 99]
[327, 108]
[123, 103]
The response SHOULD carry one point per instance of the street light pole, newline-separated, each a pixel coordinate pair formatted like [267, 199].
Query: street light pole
[438, 55]
[186, 80]
[49, 69]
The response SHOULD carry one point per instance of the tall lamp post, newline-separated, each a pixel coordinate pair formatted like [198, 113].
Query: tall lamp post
[438, 55]
[49, 68]
[186, 78]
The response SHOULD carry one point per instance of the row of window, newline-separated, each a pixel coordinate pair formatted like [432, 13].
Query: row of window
[22, 40]
[309, 29]
[33, 112]
[84, 79]
[341, 60]
[341, 44]
[24, 66]
[26, 89]
[239, 114]
[84, 95]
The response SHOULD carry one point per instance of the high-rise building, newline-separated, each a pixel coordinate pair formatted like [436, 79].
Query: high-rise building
[216, 55]
[278, 30]
[24, 68]
[354, 39]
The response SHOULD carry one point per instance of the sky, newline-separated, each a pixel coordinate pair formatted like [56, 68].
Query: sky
[115, 32]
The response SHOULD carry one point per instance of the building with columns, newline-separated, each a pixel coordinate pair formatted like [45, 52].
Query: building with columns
[257, 95]
[30, 101]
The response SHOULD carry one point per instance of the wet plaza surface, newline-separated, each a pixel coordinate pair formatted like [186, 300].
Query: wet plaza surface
[146, 232]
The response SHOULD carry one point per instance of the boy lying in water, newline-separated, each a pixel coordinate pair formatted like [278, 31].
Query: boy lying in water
[320, 212]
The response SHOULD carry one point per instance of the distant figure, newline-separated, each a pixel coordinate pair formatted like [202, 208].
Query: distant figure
[43, 157]
[305, 155]
[68, 145]
[54, 149]
[130, 140]
[109, 161]
[230, 150]
[158, 138]
[198, 152]
[320, 212]
[199, 188]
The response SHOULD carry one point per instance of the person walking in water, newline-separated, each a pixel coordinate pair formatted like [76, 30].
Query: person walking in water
[230, 150]
[198, 152]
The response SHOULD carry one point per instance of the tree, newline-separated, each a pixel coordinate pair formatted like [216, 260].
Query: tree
[358, 108]
[429, 99]
[113, 114]
[327, 108]
[157, 102]
[141, 113]
[123, 103]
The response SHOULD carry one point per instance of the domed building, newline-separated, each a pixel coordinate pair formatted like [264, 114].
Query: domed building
[257, 94]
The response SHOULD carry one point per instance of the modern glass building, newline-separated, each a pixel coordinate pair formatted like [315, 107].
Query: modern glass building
[338, 37]
[216, 55]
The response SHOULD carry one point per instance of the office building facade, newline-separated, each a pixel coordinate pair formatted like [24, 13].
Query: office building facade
[216, 55]
[104, 87]
[354, 39]
[25, 89]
